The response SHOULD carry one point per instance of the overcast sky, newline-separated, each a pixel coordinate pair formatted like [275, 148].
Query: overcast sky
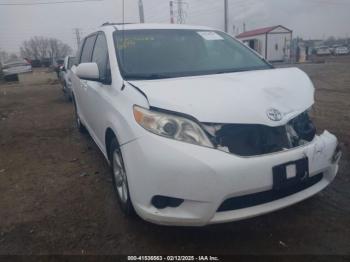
[307, 18]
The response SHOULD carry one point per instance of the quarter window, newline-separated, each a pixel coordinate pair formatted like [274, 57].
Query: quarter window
[87, 49]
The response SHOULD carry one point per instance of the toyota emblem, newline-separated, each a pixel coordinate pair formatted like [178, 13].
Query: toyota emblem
[274, 114]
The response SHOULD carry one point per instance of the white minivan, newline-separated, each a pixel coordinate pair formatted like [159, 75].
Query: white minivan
[198, 128]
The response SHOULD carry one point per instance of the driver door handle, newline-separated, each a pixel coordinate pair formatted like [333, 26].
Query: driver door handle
[83, 84]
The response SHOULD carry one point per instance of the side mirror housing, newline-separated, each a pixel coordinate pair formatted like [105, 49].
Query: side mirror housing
[88, 71]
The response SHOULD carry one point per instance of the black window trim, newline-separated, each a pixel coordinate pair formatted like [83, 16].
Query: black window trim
[82, 47]
[95, 34]
[109, 81]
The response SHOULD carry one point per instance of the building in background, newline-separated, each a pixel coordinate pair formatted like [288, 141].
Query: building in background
[273, 43]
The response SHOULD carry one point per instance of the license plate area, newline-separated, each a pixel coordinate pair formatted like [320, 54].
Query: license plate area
[290, 174]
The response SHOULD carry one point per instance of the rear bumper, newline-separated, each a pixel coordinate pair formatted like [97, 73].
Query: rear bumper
[204, 178]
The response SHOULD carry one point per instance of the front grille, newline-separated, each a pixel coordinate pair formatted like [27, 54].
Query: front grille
[255, 199]
[255, 139]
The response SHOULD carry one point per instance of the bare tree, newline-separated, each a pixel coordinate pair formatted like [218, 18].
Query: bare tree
[5, 56]
[39, 47]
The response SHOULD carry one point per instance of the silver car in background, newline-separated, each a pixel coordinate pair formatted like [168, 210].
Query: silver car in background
[11, 69]
[65, 76]
[341, 50]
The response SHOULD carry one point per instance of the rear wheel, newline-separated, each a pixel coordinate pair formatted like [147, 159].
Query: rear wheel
[120, 181]
[67, 93]
[11, 78]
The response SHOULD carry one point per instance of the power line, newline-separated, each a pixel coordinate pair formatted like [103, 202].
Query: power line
[50, 3]
[325, 2]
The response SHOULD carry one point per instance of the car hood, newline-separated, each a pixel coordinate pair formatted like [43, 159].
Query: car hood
[242, 97]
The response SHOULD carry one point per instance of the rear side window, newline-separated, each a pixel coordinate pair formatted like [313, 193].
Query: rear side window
[71, 62]
[100, 57]
[87, 49]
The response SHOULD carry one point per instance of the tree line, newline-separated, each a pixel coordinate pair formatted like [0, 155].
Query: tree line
[39, 48]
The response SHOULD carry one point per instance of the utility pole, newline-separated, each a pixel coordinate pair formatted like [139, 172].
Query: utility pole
[171, 12]
[141, 12]
[77, 32]
[181, 13]
[244, 27]
[226, 16]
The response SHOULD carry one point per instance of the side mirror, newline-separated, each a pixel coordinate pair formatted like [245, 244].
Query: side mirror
[88, 71]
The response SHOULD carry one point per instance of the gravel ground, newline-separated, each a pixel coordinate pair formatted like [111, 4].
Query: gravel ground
[56, 194]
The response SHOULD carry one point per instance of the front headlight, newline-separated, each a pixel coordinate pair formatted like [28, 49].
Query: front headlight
[171, 126]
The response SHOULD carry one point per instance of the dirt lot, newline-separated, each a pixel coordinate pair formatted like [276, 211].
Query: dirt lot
[56, 194]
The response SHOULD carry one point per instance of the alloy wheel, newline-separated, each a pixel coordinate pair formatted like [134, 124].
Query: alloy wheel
[120, 176]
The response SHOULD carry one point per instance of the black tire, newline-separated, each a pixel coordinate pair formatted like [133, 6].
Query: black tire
[66, 93]
[77, 121]
[125, 204]
[11, 78]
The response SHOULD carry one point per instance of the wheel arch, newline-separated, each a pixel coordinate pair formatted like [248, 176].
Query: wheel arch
[109, 135]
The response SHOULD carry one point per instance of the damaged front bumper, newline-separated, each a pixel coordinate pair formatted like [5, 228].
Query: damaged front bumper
[204, 178]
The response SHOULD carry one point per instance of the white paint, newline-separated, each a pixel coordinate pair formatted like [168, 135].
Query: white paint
[291, 171]
[204, 177]
[228, 98]
[88, 71]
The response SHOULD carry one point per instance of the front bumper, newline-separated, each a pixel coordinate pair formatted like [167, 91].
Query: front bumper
[206, 177]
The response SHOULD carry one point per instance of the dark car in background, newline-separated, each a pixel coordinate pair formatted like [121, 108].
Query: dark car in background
[57, 64]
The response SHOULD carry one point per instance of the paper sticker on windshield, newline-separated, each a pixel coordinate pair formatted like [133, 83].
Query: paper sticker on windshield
[210, 35]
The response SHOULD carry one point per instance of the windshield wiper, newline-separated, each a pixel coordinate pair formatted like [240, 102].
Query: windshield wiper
[148, 76]
[242, 70]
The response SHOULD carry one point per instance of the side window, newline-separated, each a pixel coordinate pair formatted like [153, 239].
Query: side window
[87, 49]
[100, 57]
[71, 61]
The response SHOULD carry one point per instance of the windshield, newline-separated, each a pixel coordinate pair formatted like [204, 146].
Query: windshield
[155, 54]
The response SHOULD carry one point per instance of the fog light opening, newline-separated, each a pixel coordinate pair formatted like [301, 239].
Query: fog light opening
[161, 202]
[337, 154]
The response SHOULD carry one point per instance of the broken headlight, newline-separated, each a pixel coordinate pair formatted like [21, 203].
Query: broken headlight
[171, 126]
[304, 127]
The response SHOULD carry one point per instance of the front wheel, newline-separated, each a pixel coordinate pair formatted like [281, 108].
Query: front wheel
[120, 181]
[78, 123]
[67, 93]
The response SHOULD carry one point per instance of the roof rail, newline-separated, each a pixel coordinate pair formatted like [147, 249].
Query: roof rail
[108, 23]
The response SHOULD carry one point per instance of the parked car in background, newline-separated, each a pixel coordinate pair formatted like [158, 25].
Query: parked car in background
[36, 63]
[341, 50]
[11, 69]
[46, 62]
[197, 128]
[332, 48]
[323, 51]
[57, 64]
[65, 75]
